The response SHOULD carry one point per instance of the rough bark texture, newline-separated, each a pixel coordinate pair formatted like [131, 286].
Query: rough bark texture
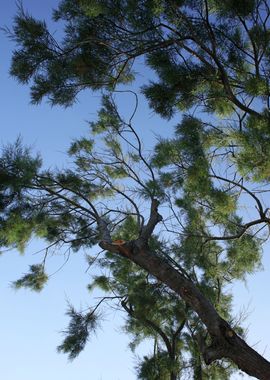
[225, 342]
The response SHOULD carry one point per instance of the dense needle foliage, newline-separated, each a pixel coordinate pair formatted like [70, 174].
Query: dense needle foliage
[182, 201]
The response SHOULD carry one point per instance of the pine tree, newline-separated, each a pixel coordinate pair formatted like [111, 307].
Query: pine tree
[170, 224]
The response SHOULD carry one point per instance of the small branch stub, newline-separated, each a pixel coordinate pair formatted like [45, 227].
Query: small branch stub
[117, 246]
[118, 242]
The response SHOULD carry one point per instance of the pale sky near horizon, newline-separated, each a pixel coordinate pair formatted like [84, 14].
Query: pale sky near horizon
[30, 323]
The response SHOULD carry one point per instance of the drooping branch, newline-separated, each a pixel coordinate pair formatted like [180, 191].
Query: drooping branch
[151, 324]
[242, 187]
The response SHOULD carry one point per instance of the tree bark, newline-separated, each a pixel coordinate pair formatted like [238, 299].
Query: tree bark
[225, 342]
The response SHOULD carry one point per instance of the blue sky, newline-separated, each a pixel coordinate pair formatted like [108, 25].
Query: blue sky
[30, 323]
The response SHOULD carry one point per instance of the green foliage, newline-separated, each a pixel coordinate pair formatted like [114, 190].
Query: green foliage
[16, 231]
[17, 166]
[152, 311]
[93, 8]
[17, 170]
[81, 145]
[102, 282]
[217, 102]
[253, 158]
[60, 73]
[35, 39]
[210, 59]
[113, 144]
[108, 118]
[244, 255]
[166, 152]
[78, 331]
[34, 280]
[156, 367]
[225, 205]
[116, 172]
[153, 189]
[128, 230]
[256, 86]
[101, 41]
[233, 8]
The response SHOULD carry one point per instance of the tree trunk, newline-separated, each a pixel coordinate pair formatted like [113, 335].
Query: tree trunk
[225, 342]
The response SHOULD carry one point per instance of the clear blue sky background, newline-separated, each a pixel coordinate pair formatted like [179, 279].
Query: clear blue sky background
[30, 323]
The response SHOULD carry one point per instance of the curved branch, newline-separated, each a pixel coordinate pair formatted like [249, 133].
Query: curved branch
[245, 227]
[150, 323]
[260, 207]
